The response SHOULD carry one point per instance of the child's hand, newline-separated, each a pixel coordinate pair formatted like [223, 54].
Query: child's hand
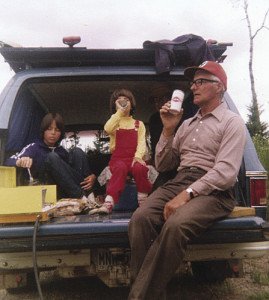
[139, 160]
[24, 162]
[88, 182]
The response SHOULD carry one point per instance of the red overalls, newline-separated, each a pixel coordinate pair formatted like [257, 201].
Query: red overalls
[121, 164]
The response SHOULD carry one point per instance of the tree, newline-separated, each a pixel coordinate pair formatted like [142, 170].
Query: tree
[254, 124]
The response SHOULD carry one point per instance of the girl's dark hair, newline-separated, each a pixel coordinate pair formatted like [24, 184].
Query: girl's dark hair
[122, 92]
[46, 122]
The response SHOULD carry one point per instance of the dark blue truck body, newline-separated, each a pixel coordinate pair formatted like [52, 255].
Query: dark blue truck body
[84, 231]
[77, 82]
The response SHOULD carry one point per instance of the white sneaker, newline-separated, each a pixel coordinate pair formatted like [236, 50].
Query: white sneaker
[106, 208]
[92, 202]
[109, 198]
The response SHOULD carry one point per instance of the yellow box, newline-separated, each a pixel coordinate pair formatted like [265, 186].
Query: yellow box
[26, 199]
[7, 177]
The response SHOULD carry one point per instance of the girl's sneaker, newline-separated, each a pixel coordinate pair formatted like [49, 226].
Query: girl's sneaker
[106, 208]
[91, 201]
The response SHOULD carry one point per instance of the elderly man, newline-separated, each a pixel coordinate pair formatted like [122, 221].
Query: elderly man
[208, 150]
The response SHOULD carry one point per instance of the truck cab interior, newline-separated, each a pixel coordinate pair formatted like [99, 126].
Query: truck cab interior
[83, 102]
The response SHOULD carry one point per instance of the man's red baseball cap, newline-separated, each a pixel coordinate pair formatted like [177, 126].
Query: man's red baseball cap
[211, 67]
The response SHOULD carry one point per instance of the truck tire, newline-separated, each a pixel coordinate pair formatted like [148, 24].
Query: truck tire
[29, 285]
[211, 271]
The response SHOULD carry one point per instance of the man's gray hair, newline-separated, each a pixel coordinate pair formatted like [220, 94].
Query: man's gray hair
[213, 77]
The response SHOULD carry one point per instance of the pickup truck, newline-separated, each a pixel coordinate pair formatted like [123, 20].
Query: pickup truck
[77, 82]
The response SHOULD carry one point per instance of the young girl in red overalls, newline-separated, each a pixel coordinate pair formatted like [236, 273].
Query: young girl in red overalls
[128, 147]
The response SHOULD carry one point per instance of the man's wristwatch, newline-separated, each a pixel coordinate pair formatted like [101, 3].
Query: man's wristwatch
[190, 192]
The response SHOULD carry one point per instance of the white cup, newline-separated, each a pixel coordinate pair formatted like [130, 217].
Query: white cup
[176, 101]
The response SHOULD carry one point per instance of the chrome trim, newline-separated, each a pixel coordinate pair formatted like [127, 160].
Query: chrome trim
[227, 251]
[257, 173]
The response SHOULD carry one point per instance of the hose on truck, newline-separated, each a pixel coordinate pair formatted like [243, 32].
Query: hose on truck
[36, 227]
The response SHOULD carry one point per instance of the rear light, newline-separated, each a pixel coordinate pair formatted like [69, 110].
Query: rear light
[258, 191]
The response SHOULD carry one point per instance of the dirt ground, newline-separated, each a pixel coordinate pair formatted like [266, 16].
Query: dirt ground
[253, 286]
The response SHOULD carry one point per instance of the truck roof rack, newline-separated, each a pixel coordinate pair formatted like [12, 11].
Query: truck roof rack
[22, 58]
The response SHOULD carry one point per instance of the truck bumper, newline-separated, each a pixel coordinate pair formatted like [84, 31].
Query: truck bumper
[227, 251]
[65, 258]
[111, 265]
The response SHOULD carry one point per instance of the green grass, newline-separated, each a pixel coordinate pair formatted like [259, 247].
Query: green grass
[260, 278]
[259, 296]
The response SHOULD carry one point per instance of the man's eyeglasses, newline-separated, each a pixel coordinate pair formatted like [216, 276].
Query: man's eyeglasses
[200, 81]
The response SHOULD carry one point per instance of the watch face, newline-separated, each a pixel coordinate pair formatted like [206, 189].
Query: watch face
[190, 192]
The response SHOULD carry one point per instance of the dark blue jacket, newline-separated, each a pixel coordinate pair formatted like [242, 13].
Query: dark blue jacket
[38, 151]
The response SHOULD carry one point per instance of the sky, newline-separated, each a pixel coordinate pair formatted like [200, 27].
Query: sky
[128, 23]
